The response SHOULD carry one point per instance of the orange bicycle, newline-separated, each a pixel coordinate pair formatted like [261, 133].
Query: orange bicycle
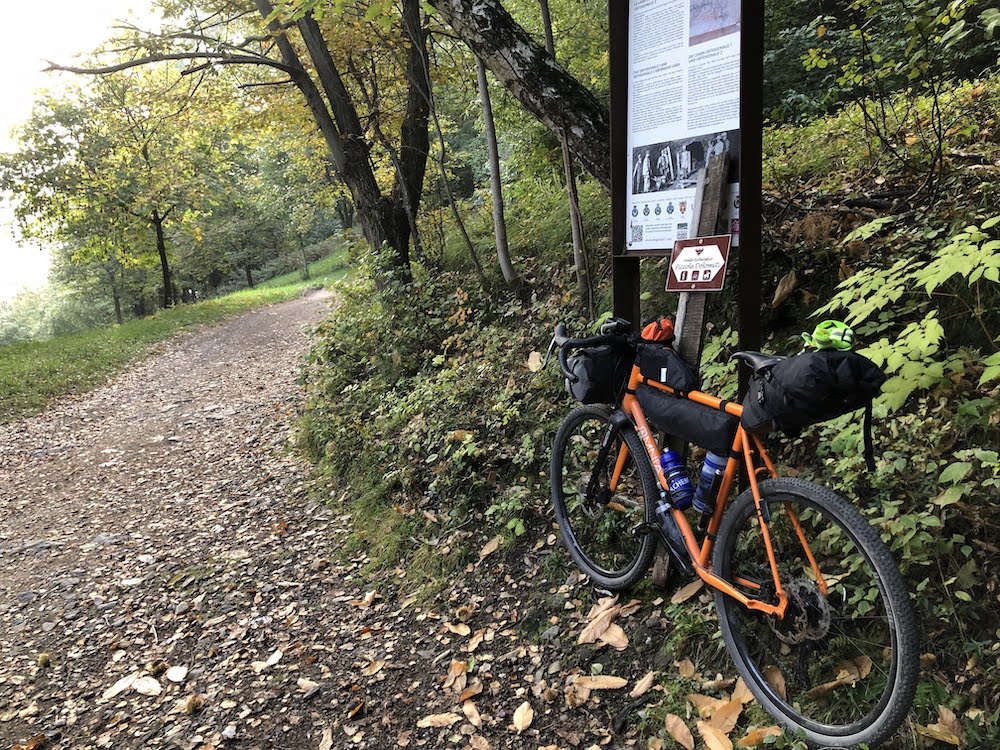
[812, 607]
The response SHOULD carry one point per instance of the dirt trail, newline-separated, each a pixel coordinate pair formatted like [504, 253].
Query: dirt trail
[168, 579]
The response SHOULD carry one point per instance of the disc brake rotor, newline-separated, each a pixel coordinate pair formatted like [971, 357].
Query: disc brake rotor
[807, 617]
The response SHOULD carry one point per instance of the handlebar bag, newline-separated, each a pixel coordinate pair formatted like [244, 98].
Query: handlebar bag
[601, 373]
[710, 428]
[660, 363]
[809, 388]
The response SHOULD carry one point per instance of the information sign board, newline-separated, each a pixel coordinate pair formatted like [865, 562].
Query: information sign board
[683, 106]
[699, 264]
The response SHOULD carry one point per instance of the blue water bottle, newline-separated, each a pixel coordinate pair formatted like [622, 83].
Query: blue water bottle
[678, 481]
[711, 472]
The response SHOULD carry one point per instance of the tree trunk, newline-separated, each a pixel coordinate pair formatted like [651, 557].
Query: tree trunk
[249, 274]
[575, 219]
[499, 222]
[161, 247]
[540, 84]
[118, 306]
[383, 220]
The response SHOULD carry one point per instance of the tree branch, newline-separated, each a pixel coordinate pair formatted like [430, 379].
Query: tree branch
[217, 57]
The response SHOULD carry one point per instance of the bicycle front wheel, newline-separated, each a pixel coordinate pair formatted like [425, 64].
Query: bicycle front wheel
[840, 668]
[602, 525]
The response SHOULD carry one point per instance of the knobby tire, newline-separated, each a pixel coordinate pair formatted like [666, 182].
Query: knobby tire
[840, 669]
[596, 524]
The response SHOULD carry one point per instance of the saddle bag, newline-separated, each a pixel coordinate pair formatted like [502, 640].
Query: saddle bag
[813, 387]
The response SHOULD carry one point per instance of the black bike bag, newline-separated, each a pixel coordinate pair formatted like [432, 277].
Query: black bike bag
[692, 422]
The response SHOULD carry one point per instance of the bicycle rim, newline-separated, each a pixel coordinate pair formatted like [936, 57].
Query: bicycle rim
[839, 668]
[597, 523]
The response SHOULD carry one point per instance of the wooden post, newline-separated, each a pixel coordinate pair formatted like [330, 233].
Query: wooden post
[689, 323]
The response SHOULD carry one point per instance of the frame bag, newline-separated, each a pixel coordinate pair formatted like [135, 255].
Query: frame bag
[692, 422]
[600, 373]
[812, 387]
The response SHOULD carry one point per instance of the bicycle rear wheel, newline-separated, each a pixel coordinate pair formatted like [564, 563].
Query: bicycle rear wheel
[596, 522]
[839, 668]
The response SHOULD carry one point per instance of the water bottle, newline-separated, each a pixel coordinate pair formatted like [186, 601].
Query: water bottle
[678, 481]
[704, 495]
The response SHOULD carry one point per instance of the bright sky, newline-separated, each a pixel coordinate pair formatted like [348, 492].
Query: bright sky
[71, 27]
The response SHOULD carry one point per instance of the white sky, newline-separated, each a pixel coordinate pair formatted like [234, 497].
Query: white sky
[70, 27]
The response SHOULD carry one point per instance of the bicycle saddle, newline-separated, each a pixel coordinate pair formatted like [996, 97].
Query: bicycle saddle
[757, 361]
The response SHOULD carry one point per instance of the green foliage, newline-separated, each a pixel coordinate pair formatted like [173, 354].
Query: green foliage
[909, 303]
[423, 394]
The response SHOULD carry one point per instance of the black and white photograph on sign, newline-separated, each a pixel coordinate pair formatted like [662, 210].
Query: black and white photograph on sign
[711, 19]
[674, 165]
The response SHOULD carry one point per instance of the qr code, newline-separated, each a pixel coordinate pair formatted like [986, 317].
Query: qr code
[682, 231]
[636, 233]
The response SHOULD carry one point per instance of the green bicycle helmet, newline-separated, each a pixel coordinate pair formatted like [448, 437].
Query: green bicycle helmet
[830, 334]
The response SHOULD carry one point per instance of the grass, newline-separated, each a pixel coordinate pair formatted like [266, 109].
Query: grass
[34, 373]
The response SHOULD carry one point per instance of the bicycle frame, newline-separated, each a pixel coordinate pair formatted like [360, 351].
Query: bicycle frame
[745, 446]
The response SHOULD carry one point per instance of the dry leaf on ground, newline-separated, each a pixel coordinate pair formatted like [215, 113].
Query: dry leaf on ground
[683, 594]
[600, 682]
[643, 685]
[472, 714]
[741, 692]
[490, 547]
[679, 731]
[705, 704]
[714, 738]
[726, 716]
[685, 668]
[757, 735]
[523, 716]
[615, 637]
[439, 720]
[535, 361]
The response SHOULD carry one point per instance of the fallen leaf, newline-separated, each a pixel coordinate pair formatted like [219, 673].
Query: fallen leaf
[939, 733]
[598, 625]
[600, 682]
[471, 691]
[523, 717]
[719, 683]
[305, 685]
[685, 668]
[714, 738]
[683, 594]
[459, 629]
[741, 692]
[478, 742]
[490, 547]
[120, 687]
[757, 736]
[366, 601]
[477, 639]
[457, 677]
[472, 714]
[326, 741]
[679, 731]
[439, 720]
[460, 436]
[706, 705]
[615, 637]
[147, 685]
[643, 685]
[535, 361]
[372, 668]
[785, 288]
[776, 680]
[726, 716]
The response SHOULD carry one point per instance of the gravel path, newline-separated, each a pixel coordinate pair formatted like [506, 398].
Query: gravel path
[168, 580]
[138, 514]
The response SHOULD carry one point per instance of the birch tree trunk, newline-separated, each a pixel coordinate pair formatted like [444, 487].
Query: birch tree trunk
[545, 89]
[499, 222]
